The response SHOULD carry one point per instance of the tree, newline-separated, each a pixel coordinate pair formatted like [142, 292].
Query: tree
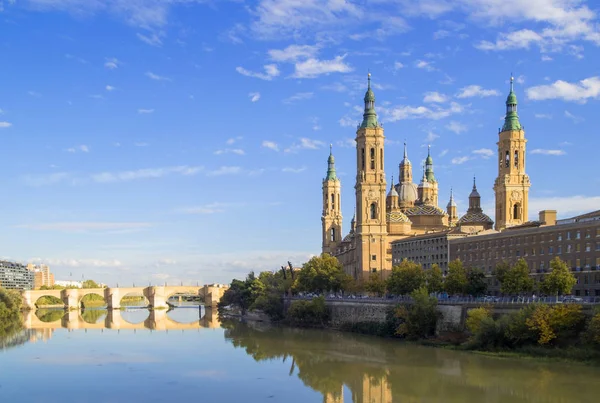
[501, 269]
[238, 294]
[375, 285]
[90, 284]
[405, 278]
[456, 280]
[560, 280]
[435, 279]
[517, 280]
[476, 284]
[420, 318]
[321, 274]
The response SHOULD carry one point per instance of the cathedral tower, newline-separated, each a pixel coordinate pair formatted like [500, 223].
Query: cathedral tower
[370, 191]
[332, 208]
[452, 210]
[431, 177]
[512, 184]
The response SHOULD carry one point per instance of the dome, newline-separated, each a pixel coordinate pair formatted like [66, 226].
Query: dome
[424, 184]
[475, 218]
[474, 193]
[451, 203]
[511, 99]
[425, 210]
[393, 192]
[407, 192]
[397, 216]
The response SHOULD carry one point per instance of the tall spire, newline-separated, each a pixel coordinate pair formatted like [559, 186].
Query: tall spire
[405, 156]
[429, 166]
[451, 203]
[331, 165]
[370, 116]
[511, 120]
[474, 199]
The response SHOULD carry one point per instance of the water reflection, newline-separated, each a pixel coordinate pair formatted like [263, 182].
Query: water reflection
[386, 371]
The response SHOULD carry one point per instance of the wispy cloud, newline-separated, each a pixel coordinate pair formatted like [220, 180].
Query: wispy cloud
[424, 65]
[112, 63]
[548, 152]
[298, 97]
[110, 88]
[81, 148]
[456, 127]
[484, 153]
[433, 112]
[312, 68]
[347, 143]
[225, 170]
[305, 144]
[34, 94]
[86, 226]
[588, 88]
[476, 91]
[293, 53]
[5, 125]
[575, 119]
[254, 96]
[237, 151]
[156, 77]
[271, 71]
[434, 97]
[152, 39]
[147, 173]
[543, 116]
[211, 208]
[271, 145]
[233, 140]
[460, 160]
[293, 170]
[142, 111]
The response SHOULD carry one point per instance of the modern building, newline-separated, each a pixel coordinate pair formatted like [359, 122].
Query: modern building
[42, 275]
[425, 250]
[575, 240]
[67, 283]
[406, 210]
[15, 276]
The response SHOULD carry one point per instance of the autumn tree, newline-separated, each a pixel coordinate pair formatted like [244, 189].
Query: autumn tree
[517, 280]
[456, 280]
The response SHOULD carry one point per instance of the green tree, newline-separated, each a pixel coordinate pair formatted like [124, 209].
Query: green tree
[434, 279]
[308, 313]
[238, 294]
[321, 274]
[405, 278]
[456, 280]
[560, 280]
[90, 284]
[10, 312]
[476, 316]
[419, 319]
[501, 269]
[476, 284]
[517, 280]
[375, 285]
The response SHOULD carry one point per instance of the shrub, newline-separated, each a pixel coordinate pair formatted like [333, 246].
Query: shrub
[557, 324]
[419, 319]
[308, 313]
[475, 316]
[593, 331]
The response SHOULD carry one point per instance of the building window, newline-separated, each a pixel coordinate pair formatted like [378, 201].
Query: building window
[374, 270]
[541, 251]
[587, 234]
[578, 263]
[372, 158]
[381, 160]
[362, 158]
[373, 257]
[516, 212]
[588, 247]
[516, 158]
[568, 248]
[577, 247]
[559, 237]
[578, 235]
[507, 160]
[550, 250]
[597, 246]
[558, 249]
[568, 235]
[333, 235]
[373, 211]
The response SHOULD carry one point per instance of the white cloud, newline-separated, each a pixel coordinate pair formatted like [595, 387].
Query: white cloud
[112, 63]
[476, 91]
[271, 71]
[312, 67]
[337, 87]
[440, 34]
[434, 112]
[575, 119]
[34, 94]
[233, 140]
[424, 65]
[293, 53]
[82, 148]
[566, 206]
[521, 39]
[548, 152]
[293, 170]
[45, 180]
[346, 121]
[543, 116]
[225, 170]
[156, 77]
[145, 111]
[578, 92]
[237, 151]
[254, 96]
[546, 58]
[398, 65]
[431, 137]
[271, 145]
[434, 97]
[5, 125]
[347, 143]
[305, 144]
[110, 88]
[444, 152]
[152, 40]
[141, 144]
[212, 208]
[301, 96]
[126, 176]
[456, 127]
[484, 153]
[460, 160]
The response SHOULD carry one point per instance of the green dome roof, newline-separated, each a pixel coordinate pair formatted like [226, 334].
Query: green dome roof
[511, 99]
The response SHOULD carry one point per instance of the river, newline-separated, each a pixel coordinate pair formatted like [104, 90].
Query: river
[187, 354]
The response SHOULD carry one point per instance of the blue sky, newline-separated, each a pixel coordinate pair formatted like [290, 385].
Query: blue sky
[181, 140]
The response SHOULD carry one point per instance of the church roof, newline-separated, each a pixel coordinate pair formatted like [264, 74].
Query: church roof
[397, 216]
[475, 218]
[424, 210]
[407, 192]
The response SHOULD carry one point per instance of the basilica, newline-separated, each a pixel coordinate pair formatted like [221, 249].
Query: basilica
[405, 209]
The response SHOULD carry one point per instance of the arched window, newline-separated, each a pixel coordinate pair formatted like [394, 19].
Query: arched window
[333, 201]
[507, 160]
[516, 159]
[516, 211]
[372, 158]
[362, 159]
[381, 159]
[373, 211]
[333, 235]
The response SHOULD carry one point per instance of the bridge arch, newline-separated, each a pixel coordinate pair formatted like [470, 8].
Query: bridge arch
[88, 298]
[46, 298]
[129, 299]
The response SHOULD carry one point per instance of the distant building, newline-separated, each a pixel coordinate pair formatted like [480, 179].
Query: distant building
[67, 283]
[41, 275]
[15, 276]
[575, 240]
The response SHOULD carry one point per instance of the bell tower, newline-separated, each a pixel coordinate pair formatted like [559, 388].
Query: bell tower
[331, 218]
[512, 184]
[370, 188]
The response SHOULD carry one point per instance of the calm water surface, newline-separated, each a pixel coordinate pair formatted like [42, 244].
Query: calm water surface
[187, 354]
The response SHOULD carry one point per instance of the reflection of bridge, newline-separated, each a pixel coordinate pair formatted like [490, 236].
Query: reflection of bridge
[157, 320]
[157, 296]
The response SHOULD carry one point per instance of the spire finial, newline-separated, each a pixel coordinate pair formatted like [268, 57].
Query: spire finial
[429, 150]
[474, 186]
[405, 156]
[369, 78]
[512, 79]
[330, 149]
[392, 186]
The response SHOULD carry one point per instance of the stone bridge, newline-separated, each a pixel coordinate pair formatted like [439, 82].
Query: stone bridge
[157, 296]
[157, 320]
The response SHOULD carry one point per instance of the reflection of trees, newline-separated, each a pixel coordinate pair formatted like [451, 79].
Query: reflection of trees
[49, 315]
[93, 315]
[375, 370]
